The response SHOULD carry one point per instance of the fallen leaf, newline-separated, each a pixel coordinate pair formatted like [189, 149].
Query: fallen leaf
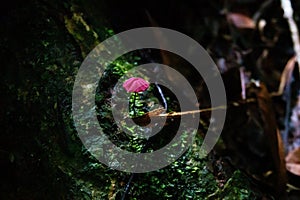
[293, 161]
[240, 20]
[293, 168]
[286, 75]
[293, 156]
[253, 141]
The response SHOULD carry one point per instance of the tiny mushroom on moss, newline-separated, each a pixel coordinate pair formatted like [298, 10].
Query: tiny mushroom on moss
[135, 84]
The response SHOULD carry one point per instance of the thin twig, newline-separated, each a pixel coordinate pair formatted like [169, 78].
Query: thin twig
[162, 96]
[158, 112]
[243, 82]
[127, 187]
[191, 112]
[288, 14]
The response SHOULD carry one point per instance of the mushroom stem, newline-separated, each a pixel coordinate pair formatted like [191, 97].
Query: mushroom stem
[134, 99]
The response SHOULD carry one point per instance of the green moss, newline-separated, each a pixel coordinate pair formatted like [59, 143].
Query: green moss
[84, 35]
[44, 150]
[236, 188]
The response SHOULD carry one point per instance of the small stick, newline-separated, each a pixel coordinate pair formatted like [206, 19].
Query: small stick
[191, 112]
[243, 82]
[162, 96]
[127, 187]
[288, 14]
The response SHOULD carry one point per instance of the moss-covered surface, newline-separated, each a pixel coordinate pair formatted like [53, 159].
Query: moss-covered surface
[42, 46]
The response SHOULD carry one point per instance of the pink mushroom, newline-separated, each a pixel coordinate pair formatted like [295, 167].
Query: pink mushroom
[135, 84]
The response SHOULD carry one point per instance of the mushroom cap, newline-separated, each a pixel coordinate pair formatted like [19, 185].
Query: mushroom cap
[135, 84]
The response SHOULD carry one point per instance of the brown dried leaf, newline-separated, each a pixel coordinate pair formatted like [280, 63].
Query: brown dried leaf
[286, 75]
[240, 20]
[293, 168]
[293, 156]
[293, 161]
